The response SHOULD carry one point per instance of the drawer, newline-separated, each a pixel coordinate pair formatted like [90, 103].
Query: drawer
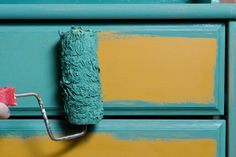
[146, 69]
[126, 138]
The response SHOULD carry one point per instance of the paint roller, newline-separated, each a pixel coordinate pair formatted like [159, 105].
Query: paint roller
[80, 82]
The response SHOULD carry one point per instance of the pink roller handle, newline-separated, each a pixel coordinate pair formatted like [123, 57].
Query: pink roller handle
[7, 96]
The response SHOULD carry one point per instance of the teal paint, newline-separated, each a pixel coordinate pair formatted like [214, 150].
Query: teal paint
[38, 70]
[207, 30]
[101, 1]
[118, 11]
[187, 29]
[132, 104]
[80, 80]
[128, 130]
[232, 90]
[123, 129]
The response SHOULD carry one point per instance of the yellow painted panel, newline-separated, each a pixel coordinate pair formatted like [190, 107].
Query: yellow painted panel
[106, 145]
[157, 69]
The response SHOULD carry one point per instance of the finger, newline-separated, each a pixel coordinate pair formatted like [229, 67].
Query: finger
[4, 111]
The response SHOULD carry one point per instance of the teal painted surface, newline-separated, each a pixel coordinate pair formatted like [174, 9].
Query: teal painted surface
[232, 90]
[101, 1]
[147, 129]
[192, 30]
[128, 129]
[118, 11]
[32, 65]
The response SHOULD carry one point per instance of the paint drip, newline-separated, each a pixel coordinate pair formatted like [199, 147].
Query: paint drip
[80, 81]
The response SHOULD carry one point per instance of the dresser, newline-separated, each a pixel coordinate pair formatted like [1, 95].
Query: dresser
[168, 74]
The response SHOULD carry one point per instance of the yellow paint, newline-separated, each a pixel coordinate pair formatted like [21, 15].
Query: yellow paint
[105, 145]
[157, 69]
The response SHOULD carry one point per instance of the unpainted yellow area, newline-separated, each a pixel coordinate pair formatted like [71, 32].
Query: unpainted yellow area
[106, 145]
[157, 69]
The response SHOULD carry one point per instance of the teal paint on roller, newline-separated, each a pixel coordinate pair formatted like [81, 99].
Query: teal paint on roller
[80, 81]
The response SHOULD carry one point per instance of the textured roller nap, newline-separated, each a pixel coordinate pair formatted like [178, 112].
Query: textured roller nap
[80, 80]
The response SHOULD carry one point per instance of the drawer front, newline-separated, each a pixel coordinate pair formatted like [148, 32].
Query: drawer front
[146, 69]
[126, 138]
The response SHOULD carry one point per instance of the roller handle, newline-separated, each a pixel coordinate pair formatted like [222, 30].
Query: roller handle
[46, 121]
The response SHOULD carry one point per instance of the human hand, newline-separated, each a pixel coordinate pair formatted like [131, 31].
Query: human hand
[4, 111]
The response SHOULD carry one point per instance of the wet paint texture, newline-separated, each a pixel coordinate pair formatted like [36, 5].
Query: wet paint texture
[157, 69]
[80, 81]
[104, 144]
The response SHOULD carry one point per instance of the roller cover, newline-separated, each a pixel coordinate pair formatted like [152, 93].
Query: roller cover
[80, 81]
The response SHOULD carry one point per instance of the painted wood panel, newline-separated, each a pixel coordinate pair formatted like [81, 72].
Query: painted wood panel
[102, 1]
[127, 138]
[118, 11]
[157, 69]
[232, 89]
[146, 69]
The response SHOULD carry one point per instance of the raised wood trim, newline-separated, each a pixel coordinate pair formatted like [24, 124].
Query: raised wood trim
[117, 11]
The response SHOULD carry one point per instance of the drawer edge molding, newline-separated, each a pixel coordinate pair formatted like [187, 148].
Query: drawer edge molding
[117, 11]
[231, 127]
